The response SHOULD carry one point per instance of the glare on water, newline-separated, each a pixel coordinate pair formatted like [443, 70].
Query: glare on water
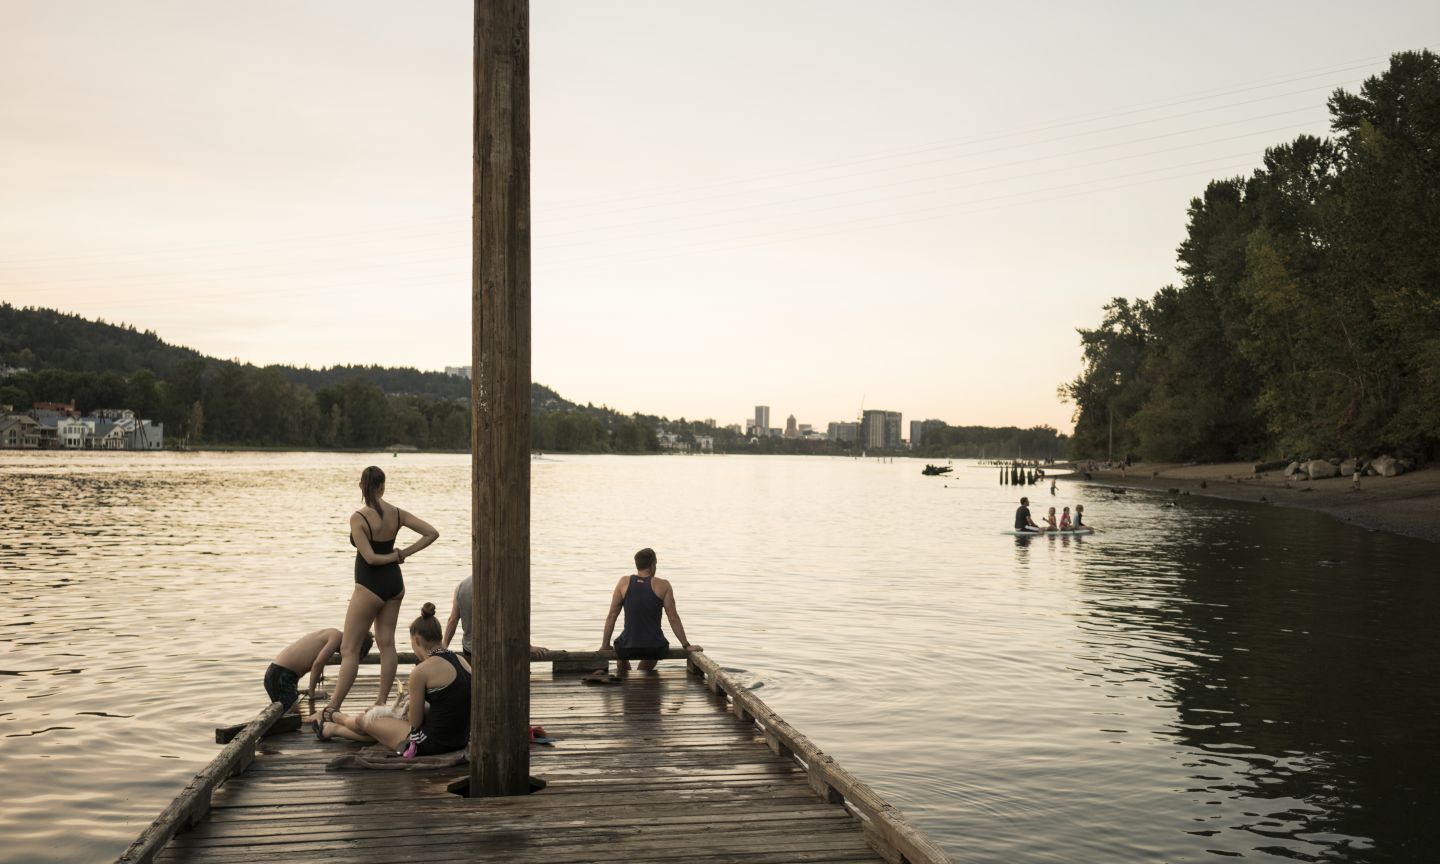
[1196, 680]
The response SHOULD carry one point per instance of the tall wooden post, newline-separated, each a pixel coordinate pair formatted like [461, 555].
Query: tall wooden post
[500, 402]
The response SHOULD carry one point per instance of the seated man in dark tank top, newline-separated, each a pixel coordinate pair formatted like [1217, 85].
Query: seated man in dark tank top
[643, 595]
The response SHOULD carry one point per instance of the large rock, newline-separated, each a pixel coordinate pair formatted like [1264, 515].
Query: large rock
[1319, 469]
[1348, 467]
[1292, 469]
[1388, 466]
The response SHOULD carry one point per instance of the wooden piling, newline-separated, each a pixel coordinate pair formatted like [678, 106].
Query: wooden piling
[500, 401]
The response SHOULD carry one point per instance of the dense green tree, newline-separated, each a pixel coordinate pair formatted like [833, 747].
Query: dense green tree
[1110, 388]
[1308, 316]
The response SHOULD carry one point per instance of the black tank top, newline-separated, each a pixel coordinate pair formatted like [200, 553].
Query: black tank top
[642, 615]
[447, 722]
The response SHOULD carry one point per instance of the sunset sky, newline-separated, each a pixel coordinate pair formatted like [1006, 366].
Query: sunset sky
[798, 204]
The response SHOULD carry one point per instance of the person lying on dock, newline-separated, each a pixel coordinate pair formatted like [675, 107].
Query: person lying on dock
[642, 595]
[1023, 522]
[460, 614]
[310, 652]
[441, 726]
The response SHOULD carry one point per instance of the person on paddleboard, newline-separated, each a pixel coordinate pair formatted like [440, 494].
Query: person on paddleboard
[1023, 522]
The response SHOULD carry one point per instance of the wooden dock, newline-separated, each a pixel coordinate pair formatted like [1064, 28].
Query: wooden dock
[679, 765]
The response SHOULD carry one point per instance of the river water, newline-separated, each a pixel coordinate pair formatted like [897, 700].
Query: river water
[1199, 681]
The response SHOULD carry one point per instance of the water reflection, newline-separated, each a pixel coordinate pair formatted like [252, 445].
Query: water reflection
[1297, 681]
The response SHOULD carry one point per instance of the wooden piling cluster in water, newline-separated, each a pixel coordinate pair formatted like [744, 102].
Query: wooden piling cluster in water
[676, 765]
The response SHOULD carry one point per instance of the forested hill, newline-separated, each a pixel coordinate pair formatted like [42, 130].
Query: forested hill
[46, 339]
[1307, 317]
[201, 398]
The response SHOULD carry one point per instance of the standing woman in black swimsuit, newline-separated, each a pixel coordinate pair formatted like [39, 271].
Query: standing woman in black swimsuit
[379, 587]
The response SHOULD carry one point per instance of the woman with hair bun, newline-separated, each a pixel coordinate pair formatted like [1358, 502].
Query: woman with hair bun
[441, 678]
[379, 585]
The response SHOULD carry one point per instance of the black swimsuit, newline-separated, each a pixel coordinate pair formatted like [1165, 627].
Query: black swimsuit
[383, 580]
[446, 726]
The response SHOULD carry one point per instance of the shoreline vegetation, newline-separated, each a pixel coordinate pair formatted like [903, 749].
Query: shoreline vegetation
[1306, 322]
[1407, 505]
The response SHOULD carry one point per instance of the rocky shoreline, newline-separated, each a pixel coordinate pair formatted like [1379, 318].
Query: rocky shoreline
[1405, 503]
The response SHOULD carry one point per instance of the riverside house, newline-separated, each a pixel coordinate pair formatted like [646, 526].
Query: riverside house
[19, 431]
[54, 425]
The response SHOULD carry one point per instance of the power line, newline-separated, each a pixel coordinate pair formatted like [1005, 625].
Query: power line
[845, 226]
[1258, 84]
[967, 171]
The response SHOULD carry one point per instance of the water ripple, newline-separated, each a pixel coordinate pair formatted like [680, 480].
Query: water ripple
[1198, 680]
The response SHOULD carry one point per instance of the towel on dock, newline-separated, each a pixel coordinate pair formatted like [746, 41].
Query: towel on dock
[382, 758]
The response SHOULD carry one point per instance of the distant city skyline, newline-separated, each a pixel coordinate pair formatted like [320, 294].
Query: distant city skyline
[719, 209]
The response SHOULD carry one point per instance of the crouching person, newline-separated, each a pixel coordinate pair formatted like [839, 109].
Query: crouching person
[442, 678]
[309, 653]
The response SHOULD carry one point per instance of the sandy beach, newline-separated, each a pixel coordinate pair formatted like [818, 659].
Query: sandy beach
[1408, 504]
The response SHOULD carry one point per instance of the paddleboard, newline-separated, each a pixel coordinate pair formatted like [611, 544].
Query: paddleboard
[1082, 532]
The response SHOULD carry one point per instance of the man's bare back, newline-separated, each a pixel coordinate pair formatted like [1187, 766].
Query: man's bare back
[300, 656]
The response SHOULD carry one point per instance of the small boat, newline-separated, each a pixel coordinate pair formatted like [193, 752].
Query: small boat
[935, 470]
[1073, 532]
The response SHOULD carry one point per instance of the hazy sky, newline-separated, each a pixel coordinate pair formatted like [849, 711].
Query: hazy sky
[800, 204]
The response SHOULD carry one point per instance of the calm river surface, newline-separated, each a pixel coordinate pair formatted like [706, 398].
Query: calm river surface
[1198, 681]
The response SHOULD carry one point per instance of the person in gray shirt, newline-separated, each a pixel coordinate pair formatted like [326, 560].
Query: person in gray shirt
[460, 614]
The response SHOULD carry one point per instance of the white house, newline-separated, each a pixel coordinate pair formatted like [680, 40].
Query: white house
[145, 435]
[72, 433]
[105, 435]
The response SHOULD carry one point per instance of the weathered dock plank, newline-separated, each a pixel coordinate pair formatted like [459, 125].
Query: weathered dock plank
[660, 768]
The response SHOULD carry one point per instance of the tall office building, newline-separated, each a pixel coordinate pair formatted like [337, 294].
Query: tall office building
[892, 428]
[880, 429]
[917, 433]
[845, 433]
[872, 430]
[762, 419]
[791, 431]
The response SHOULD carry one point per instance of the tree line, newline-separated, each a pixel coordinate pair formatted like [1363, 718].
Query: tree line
[1307, 315]
[941, 440]
[204, 400]
[235, 405]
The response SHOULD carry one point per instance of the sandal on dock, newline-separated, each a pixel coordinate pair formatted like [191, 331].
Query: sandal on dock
[318, 727]
[602, 677]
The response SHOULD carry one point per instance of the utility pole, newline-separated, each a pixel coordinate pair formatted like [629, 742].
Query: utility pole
[500, 402]
[1110, 449]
